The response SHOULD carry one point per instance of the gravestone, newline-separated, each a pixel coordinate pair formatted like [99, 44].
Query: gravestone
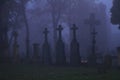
[118, 51]
[107, 62]
[36, 52]
[92, 21]
[74, 49]
[46, 50]
[15, 48]
[60, 49]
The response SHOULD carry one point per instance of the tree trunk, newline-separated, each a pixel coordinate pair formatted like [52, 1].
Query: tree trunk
[55, 33]
[27, 36]
[27, 31]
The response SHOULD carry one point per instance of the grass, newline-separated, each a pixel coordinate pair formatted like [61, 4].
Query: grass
[37, 72]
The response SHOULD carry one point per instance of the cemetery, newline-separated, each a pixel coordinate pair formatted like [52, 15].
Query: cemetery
[44, 68]
[75, 57]
[59, 40]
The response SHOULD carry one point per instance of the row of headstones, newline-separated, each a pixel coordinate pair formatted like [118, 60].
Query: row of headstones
[75, 58]
[59, 48]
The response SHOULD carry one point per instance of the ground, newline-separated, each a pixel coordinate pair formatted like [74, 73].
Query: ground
[37, 72]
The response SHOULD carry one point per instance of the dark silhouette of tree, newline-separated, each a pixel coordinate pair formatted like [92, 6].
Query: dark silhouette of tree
[12, 14]
[57, 8]
[6, 8]
[23, 9]
[115, 10]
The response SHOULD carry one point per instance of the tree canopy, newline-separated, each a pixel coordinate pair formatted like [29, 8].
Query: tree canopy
[115, 12]
[3, 1]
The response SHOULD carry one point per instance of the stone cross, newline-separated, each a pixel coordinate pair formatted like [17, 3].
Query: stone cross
[60, 28]
[92, 21]
[75, 58]
[46, 34]
[74, 28]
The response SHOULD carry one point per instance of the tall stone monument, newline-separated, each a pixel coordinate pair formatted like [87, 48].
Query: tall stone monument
[60, 48]
[46, 50]
[36, 53]
[74, 49]
[15, 47]
[92, 21]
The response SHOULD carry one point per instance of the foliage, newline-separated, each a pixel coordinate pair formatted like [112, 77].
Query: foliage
[10, 18]
[5, 9]
[115, 10]
[2, 2]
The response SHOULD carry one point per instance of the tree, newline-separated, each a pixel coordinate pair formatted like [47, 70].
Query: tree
[23, 9]
[18, 16]
[6, 8]
[115, 10]
[57, 8]
[12, 13]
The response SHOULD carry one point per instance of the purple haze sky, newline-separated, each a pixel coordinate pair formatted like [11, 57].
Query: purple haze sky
[108, 3]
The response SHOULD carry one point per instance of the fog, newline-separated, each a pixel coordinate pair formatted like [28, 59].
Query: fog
[39, 17]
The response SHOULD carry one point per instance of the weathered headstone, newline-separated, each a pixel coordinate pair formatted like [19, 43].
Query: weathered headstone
[36, 53]
[46, 51]
[92, 21]
[74, 49]
[118, 51]
[107, 62]
[60, 48]
[15, 47]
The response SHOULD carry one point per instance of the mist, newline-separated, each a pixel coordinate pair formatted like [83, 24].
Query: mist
[59, 39]
[39, 17]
